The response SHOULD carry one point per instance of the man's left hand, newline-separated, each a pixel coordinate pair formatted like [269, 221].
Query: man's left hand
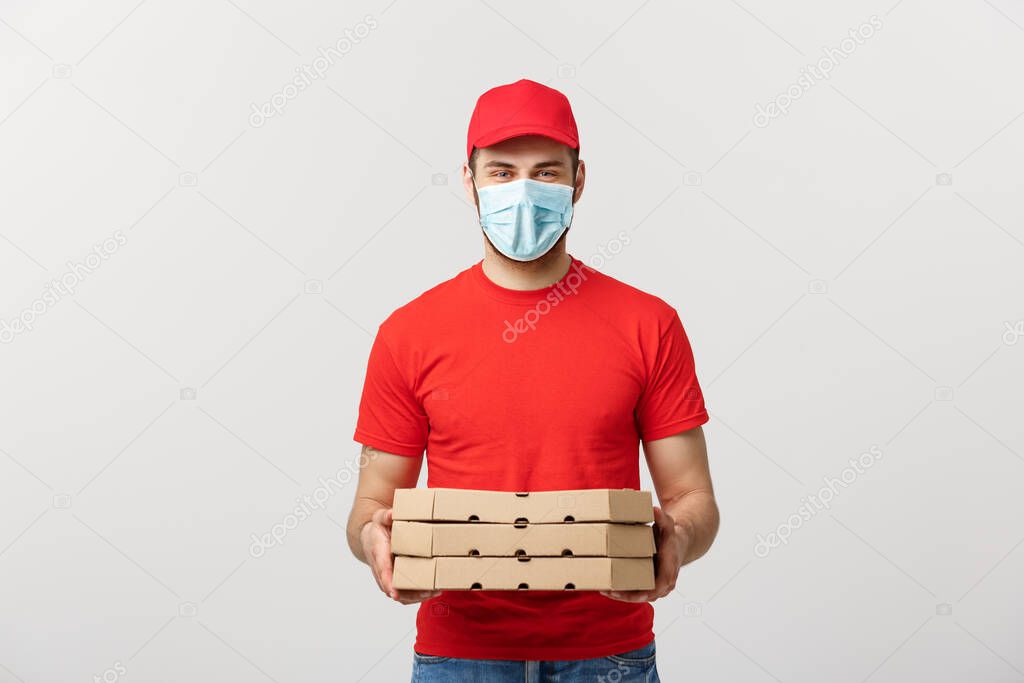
[671, 542]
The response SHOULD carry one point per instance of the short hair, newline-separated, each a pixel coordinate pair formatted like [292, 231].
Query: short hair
[574, 156]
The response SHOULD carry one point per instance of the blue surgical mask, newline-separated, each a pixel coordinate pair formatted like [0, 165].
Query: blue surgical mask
[523, 219]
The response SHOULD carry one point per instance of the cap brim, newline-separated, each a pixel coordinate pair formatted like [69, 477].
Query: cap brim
[509, 132]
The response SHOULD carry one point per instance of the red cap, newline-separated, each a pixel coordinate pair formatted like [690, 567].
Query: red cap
[521, 108]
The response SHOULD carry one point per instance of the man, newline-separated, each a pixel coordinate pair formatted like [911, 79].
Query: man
[530, 372]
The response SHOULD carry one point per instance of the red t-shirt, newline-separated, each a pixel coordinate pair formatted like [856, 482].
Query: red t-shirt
[530, 391]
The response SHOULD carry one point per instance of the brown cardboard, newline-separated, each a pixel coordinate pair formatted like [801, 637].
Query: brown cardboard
[533, 540]
[539, 507]
[510, 573]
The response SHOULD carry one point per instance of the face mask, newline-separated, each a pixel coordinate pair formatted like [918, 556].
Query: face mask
[523, 219]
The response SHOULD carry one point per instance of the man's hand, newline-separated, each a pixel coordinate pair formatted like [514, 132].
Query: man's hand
[369, 523]
[672, 542]
[375, 537]
[688, 522]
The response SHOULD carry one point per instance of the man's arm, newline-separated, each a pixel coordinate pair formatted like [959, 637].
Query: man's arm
[687, 522]
[369, 523]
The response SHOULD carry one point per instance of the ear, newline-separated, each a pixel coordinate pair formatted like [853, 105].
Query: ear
[581, 180]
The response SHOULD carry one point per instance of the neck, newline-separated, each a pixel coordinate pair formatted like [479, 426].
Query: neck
[537, 274]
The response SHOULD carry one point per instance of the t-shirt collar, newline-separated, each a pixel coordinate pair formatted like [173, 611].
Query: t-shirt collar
[520, 296]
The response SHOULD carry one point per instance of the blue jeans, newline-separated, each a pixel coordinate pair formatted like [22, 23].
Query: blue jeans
[636, 666]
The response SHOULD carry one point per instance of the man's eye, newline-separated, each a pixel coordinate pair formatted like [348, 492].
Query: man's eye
[546, 174]
[502, 174]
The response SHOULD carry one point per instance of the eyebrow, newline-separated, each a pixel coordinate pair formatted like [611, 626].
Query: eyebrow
[542, 164]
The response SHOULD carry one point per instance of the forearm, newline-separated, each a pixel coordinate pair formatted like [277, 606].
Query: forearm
[379, 475]
[363, 509]
[696, 518]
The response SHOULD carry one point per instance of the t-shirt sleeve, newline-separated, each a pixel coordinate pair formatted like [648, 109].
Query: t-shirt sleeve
[391, 419]
[672, 401]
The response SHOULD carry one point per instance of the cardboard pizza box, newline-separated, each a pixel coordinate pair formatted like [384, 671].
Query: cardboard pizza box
[510, 573]
[598, 539]
[539, 507]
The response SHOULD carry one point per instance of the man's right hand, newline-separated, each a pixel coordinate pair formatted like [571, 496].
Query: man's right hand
[375, 537]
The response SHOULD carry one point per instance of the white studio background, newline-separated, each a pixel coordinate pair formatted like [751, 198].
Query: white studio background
[850, 272]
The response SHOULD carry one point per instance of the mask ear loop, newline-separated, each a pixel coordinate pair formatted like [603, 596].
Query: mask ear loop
[476, 194]
[572, 199]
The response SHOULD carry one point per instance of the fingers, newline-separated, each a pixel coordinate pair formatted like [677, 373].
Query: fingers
[664, 526]
[664, 583]
[667, 561]
[383, 517]
[636, 596]
[630, 596]
[666, 571]
[663, 521]
[377, 547]
[384, 585]
[384, 567]
[659, 517]
[663, 589]
[412, 597]
[667, 574]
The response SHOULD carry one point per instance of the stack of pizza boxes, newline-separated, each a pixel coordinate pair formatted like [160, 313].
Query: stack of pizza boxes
[457, 539]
